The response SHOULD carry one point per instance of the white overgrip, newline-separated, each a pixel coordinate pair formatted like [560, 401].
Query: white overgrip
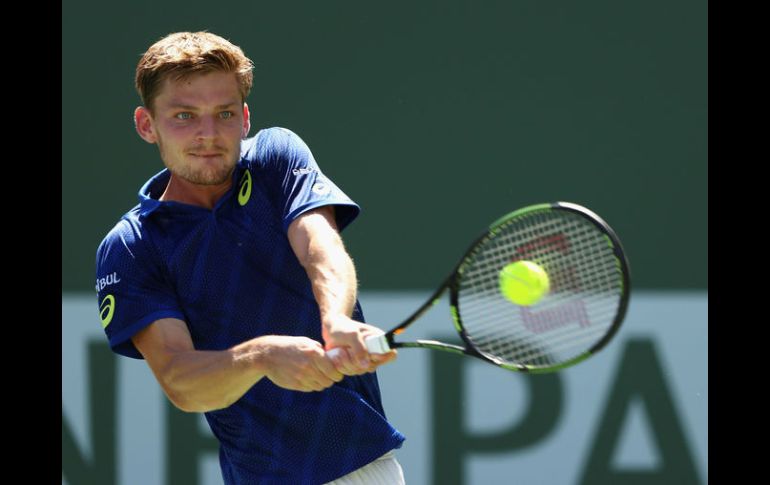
[377, 344]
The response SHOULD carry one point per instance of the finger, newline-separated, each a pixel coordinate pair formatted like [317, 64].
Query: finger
[343, 361]
[359, 354]
[382, 359]
[326, 366]
[351, 366]
[379, 359]
[318, 383]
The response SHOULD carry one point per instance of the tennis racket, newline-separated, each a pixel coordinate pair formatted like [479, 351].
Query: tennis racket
[581, 312]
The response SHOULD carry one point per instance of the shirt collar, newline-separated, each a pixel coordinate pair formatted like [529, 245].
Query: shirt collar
[156, 185]
[151, 192]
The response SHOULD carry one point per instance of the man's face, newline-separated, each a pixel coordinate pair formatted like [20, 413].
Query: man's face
[198, 124]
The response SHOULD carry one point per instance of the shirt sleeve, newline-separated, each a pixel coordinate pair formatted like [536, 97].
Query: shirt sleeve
[131, 292]
[295, 178]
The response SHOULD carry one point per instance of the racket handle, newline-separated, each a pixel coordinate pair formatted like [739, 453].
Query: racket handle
[332, 353]
[376, 344]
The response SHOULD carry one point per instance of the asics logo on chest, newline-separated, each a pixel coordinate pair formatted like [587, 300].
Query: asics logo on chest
[244, 191]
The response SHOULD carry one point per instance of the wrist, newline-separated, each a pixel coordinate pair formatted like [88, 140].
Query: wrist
[331, 320]
[256, 354]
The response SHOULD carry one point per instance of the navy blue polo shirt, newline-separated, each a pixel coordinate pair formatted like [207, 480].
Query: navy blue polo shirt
[231, 275]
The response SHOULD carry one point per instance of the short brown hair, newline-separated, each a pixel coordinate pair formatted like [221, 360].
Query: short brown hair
[183, 54]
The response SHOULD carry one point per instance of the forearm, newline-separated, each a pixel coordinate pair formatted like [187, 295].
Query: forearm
[316, 242]
[332, 276]
[199, 381]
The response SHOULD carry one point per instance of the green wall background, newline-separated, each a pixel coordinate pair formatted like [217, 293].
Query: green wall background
[435, 116]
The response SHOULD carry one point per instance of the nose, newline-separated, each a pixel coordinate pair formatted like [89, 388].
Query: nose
[207, 128]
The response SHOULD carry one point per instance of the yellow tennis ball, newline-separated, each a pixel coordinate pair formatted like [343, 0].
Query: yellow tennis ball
[524, 282]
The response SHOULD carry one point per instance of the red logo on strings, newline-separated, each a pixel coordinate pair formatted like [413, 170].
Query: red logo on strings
[552, 318]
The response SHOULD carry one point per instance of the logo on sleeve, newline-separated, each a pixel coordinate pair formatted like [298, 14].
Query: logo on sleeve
[321, 188]
[302, 171]
[244, 193]
[107, 281]
[107, 310]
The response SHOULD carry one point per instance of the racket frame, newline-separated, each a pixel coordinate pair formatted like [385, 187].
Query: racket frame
[383, 343]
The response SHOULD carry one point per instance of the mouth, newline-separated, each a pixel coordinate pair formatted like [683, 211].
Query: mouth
[207, 154]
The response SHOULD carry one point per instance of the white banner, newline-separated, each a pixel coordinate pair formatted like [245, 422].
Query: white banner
[637, 409]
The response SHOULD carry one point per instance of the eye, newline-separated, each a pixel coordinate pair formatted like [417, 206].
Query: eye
[226, 114]
[183, 116]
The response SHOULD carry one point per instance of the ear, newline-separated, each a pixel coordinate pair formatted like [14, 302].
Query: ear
[144, 124]
[246, 121]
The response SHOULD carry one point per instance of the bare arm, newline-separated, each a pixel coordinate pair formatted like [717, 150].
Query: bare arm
[199, 381]
[316, 242]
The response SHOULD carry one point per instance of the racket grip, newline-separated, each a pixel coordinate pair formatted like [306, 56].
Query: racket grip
[377, 344]
[332, 353]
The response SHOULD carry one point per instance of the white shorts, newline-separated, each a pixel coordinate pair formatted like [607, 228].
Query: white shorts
[385, 470]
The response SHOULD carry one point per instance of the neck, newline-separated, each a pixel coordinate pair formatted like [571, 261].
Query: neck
[180, 190]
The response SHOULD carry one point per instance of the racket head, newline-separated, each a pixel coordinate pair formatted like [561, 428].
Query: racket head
[585, 307]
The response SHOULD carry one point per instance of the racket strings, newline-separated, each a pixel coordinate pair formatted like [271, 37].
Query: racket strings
[586, 288]
[527, 350]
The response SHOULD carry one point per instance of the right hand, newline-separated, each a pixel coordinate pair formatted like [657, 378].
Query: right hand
[298, 364]
[347, 337]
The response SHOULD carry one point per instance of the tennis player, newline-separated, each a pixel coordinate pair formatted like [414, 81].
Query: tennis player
[231, 280]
